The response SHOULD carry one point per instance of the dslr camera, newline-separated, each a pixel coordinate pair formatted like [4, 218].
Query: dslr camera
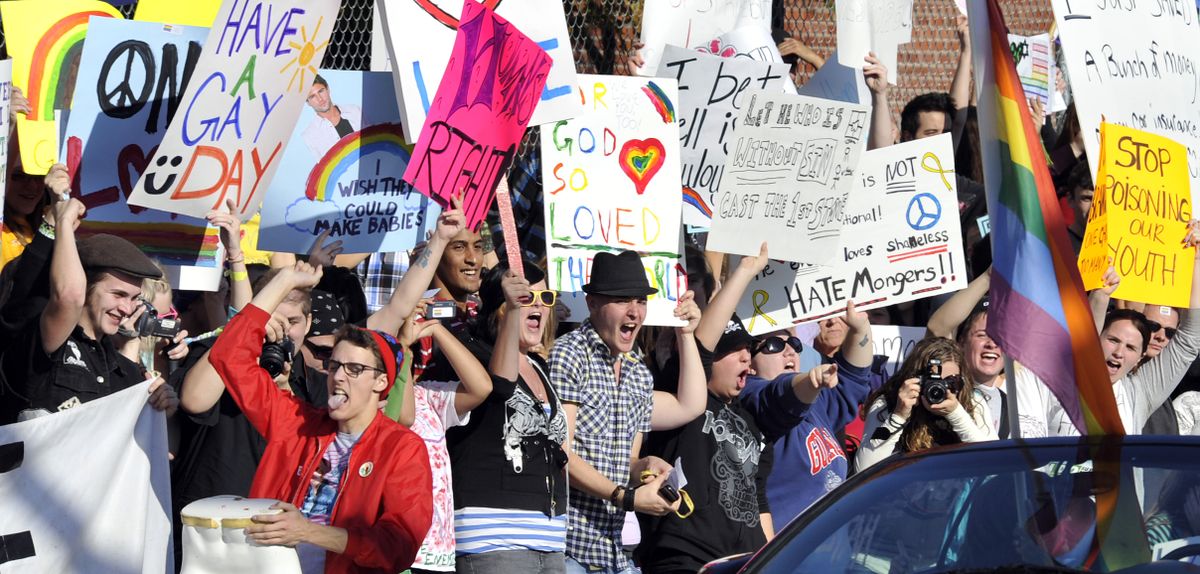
[276, 355]
[935, 388]
[151, 325]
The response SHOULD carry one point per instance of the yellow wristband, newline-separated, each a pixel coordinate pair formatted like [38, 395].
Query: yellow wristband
[238, 275]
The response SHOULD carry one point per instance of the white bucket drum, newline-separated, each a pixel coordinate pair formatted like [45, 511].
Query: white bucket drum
[215, 541]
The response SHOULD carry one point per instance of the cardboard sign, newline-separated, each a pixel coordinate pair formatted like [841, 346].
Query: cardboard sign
[349, 185]
[694, 23]
[486, 99]
[420, 37]
[1035, 66]
[239, 110]
[1134, 64]
[5, 114]
[44, 40]
[712, 91]
[132, 76]
[901, 241]
[878, 26]
[611, 184]
[71, 522]
[1139, 219]
[191, 13]
[787, 176]
[753, 41]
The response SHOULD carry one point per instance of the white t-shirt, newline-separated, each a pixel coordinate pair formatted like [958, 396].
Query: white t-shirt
[435, 412]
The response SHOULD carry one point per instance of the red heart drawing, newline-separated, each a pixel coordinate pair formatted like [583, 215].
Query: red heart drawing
[640, 160]
[445, 17]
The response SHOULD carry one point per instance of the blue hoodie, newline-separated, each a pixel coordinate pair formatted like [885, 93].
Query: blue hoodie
[809, 460]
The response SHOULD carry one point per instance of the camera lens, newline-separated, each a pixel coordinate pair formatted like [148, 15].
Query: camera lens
[275, 356]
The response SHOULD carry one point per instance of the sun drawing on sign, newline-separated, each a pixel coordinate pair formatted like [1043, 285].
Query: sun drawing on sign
[305, 53]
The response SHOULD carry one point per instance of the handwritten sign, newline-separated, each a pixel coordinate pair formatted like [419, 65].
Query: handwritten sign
[255, 72]
[5, 101]
[420, 36]
[752, 41]
[901, 241]
[131, 79]
[1035, 66]
[348, 185]
[487, 97]
[45, 39]
[612, 183]
[879, 26]
[787, 176]
[694, 23]
[711, 94]
[1135, 64]
[190, 13]
[1139, 219]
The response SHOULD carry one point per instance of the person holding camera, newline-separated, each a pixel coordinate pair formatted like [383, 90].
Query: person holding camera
[928, 402]
[354, 486]
[152, 337]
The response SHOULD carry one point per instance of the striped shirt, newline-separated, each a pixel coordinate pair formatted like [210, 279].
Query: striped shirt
[478, 530]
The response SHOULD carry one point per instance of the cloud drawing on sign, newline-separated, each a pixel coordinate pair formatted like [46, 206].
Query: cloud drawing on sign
[640, 160]
[304, 213]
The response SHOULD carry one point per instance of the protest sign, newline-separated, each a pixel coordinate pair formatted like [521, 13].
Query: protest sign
[348, 185]
[787, 176]
[833, 81]
[879, 26]
[895, 343]
[1139, 219]
[494, 80]
[191, 13]
[901, 241]
[612, 183]
[1135, 64]
[130, 80]
[44, 40]
[88, 489]
[5, 113]
[712, 91]
[694, 23]
[253, 75]
[420, 36]
[1035, 66]
[753, 41]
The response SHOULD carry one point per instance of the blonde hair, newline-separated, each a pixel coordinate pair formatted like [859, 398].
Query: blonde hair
[150, 289]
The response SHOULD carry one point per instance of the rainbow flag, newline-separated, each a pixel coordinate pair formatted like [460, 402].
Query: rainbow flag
[1039, 310]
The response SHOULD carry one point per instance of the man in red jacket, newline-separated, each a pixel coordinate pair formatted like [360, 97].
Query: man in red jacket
[355, 485]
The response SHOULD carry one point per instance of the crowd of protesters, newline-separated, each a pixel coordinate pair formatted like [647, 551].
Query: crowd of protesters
[503, 438]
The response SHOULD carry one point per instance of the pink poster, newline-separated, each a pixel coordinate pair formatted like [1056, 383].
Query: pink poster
[487, 95]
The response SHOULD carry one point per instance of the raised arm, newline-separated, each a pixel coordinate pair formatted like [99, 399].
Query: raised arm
[240, 292]
[506, 355]
[960, 87]
[875, 74]
[945, 321]
[675, 410]
[1098, 299]
[420, 273]
[724, 303]
[68, 282]
[857, 349]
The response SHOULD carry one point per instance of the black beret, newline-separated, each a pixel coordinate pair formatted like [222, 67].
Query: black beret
[105, 251]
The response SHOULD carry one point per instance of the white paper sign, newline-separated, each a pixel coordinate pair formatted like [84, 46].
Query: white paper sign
[712, 91]
[5, 114]
[420, 37]
[612, 183]
[91, 489]
[901, 241]
[239, 108]
[880, 26]
[752, 41]
[1035, 66]
[787, 177]
[1137, 65]
[895, 343]
[694, 23]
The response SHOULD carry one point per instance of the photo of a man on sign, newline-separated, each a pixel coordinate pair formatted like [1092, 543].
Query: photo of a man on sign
[333, 122]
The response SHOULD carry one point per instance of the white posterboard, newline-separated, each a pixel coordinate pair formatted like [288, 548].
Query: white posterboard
[787, 177]
[5, 114]
[901, 241]
[694, 23]
[878, 26]
[1134, 64]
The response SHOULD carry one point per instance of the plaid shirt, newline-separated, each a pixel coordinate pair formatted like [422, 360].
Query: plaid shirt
[379, 275]
[610, 416]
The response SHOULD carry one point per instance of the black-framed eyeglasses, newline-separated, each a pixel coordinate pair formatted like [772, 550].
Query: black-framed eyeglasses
[353, 370]
[319, 352]
[546, 296]
[774, 345]
[1155, 326]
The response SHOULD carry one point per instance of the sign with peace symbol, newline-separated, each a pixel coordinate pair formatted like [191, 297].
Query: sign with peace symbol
[924, 212]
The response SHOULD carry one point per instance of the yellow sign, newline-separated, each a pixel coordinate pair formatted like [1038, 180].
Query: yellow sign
[1139, 218]
[45, 40]
[190, 13]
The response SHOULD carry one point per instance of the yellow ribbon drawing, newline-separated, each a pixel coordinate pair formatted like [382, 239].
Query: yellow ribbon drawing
[936, 167]
[760, 298]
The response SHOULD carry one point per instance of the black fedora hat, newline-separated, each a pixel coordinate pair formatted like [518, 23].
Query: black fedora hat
[619, 275]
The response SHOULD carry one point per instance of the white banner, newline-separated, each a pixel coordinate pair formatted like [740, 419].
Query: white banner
[880, 26]
[712, 91]
[694, 23]
[787, 176]
[87, 490]
[901, 240]
[1134, 64]
[420, 37]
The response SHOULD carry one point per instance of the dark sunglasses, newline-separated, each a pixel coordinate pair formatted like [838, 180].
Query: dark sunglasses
[1155, 326]
[318, 352]
[546, 296]
[352, 369]
[775, 345]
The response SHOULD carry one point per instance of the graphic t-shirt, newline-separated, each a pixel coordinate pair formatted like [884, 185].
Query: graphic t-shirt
[434, 402]
[323, 493]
